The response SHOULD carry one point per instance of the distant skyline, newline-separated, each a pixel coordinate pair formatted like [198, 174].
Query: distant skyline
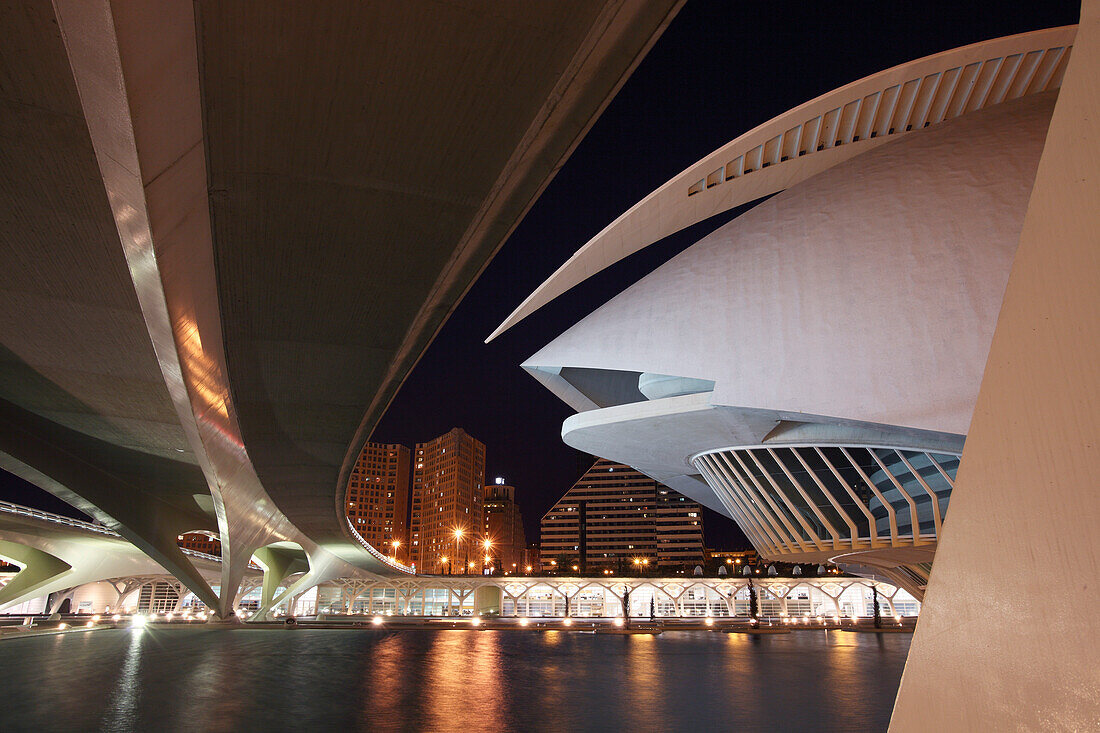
[719, 70]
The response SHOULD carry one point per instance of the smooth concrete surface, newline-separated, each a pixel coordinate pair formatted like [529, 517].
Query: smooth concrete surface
[1025, 508]
[58, 557]
[231, 243]
[386, 173]
[865, 296]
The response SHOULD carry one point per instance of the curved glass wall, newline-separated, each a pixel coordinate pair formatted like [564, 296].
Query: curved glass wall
[792, 499]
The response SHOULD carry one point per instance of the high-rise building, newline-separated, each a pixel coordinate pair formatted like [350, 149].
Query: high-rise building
[615, 515]
[503, 526]
[200, 542]
[448, 482]
[377, 502]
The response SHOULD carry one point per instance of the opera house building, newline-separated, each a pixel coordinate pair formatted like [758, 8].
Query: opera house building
[811, 368]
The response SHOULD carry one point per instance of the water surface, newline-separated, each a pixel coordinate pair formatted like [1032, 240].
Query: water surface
[202, 679]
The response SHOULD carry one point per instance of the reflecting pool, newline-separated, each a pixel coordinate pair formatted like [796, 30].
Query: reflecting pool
[203, 679]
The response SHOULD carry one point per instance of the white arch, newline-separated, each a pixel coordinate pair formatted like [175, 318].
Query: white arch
[818, 135]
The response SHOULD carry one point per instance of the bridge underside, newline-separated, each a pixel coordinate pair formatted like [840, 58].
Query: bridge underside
[228, 245]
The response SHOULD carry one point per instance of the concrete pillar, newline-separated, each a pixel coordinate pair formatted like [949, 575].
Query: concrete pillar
[487, 599]
[1029, 468]
[278, 563]
[59, 598]
[39, 570]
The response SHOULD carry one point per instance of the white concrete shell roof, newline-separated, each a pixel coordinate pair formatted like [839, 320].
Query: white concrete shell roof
[817, 135]
[865, 296]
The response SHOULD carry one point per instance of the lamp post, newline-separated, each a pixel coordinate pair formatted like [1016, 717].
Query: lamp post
[458, 538]
[443, 562]
[395, 544]
[488, 544]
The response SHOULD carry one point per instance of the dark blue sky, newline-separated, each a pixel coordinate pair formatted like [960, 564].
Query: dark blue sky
[720, 69]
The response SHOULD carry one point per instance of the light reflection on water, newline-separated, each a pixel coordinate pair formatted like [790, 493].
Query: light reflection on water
[199, 679]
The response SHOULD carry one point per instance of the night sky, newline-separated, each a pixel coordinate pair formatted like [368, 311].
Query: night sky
[721, 68]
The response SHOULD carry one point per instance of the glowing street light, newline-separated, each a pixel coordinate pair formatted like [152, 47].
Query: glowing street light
[458, 538]
[395, 544]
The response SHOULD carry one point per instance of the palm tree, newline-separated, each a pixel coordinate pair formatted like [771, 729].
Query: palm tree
[877, 611]
[626, 606]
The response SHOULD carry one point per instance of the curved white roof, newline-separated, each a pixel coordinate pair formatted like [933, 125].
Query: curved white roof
[817, 135]
[868, 293]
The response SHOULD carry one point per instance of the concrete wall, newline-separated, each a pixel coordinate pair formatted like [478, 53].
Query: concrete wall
[100, 595]
[1025, 507]
[869, 292]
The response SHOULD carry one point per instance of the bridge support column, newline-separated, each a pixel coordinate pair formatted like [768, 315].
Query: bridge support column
[278, 564]
[487, 599]
[321, 568]
[39, 569]
[1028, 471]
[59, 599]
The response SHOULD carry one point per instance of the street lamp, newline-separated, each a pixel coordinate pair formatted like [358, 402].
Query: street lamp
[488, 558]
[458, 538]
[395, 544]
[443, 562]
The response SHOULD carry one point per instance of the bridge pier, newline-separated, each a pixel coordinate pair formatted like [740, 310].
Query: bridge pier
[39, 569]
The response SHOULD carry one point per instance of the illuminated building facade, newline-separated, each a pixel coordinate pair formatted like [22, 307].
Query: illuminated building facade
[377, 502]
[614, 515]
[503, 527]
[448, 483]
[200, 542]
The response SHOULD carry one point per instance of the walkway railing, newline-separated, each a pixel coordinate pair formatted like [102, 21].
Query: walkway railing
[9, 508]
[26, 511]
[380, 555]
